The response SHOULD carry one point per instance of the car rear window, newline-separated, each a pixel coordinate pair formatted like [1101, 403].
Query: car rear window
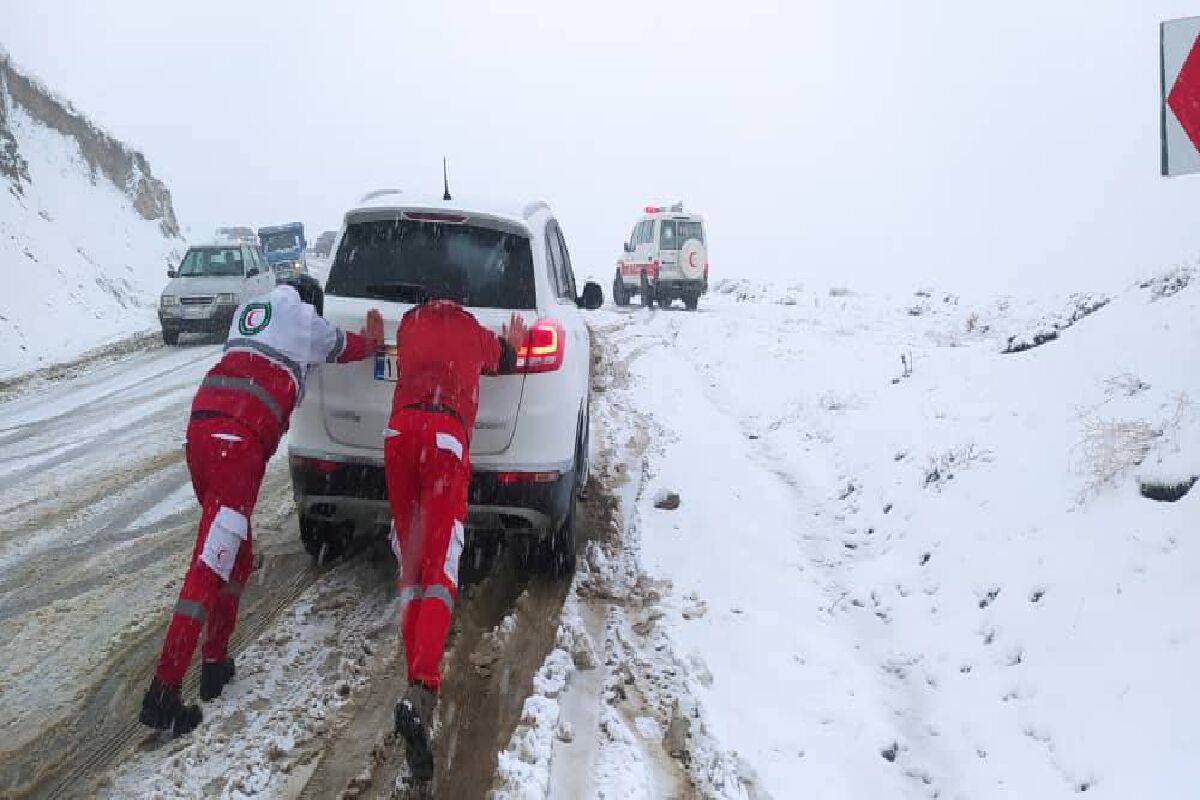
[676, 232]
[395, 259]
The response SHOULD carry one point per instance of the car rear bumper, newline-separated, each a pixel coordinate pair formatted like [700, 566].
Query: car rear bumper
[527, 502]
[681, 285]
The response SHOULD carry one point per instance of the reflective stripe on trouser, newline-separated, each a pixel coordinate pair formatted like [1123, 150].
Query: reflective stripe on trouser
[427, 476]
[226, 473]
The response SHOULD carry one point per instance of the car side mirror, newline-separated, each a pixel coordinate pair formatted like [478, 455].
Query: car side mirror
[252, 272]
[629, 247]
[592, 297]
[172, 273]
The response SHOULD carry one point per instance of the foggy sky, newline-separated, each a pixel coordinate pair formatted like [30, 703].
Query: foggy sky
[867, 144]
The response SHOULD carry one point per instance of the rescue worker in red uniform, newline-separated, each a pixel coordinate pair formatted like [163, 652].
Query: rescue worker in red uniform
[441, 350]
[237, 419]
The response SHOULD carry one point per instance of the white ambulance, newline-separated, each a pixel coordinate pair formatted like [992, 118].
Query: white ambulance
[665, 258]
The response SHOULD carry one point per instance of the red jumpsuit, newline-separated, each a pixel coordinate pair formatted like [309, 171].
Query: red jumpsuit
[238, 417]
[441, 350]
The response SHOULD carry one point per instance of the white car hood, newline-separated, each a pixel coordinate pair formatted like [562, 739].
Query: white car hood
[204, 285]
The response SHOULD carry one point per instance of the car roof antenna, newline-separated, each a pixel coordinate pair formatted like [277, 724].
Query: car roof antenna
[446, 181]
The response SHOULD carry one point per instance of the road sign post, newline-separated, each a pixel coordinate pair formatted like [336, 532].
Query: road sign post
[1179, 62]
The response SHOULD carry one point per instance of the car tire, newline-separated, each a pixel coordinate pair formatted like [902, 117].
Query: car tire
[553, 557]
[664, 300]
[170, 337]
[583, 463]
[691, 301]
[644, 290]
[324, 540]
[561, 556]
[620, 297]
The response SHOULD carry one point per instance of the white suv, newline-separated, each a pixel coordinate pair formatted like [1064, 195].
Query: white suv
[665, 258]
[530, 443]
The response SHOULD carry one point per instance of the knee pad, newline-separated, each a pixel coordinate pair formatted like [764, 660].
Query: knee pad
[224, 538]
[394, 540]
[454, 552]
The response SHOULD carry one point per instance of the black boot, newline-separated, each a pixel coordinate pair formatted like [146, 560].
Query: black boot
[414, 724]
[163, 709]
[213, 677]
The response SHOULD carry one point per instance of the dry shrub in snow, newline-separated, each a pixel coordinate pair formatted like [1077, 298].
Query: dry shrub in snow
[943, 468]
[1126, 384]
[1110, 448]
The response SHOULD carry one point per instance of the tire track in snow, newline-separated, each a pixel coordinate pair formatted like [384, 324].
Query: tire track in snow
[85, 583]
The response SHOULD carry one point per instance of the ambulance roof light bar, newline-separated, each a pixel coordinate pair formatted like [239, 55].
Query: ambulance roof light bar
[677, 208]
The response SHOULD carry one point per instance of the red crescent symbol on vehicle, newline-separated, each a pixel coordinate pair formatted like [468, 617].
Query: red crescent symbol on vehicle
[692, 259]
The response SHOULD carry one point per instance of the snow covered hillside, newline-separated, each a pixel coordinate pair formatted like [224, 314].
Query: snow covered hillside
[904, 563]
[86, 231]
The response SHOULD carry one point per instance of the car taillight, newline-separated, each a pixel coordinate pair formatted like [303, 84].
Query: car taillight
[543, 348]
[316, 464]
[512, 478]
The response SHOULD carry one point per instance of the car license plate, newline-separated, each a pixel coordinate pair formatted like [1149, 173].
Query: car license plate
[385, 365]
[194, 312]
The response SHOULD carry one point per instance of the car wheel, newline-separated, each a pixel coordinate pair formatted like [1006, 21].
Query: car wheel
[554, 556]
[647, 295]
[324, 540]
[690, 301]
[561, 558]
[583, 464]
[170, 337]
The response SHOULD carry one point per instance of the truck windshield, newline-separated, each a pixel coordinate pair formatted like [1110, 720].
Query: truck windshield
[676, 232]
[211, 261]
[274, 242]
[398, 259]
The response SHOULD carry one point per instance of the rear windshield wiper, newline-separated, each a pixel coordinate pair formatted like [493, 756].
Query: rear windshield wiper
[403, 292]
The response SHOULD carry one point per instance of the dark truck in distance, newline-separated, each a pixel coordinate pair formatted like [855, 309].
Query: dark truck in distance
[284, 247]
[324, 244]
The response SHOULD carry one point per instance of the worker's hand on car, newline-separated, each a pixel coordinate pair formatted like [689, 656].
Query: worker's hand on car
[514, 332]
[373, 329]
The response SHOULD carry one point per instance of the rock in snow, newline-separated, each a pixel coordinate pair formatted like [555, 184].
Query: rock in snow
[666, 500]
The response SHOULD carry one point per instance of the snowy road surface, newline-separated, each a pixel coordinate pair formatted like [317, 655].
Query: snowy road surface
[928, 576]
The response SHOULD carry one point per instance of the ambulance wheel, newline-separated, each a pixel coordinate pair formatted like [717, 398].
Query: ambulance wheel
[691, 301]
[170, 337]
[619, 295]
[644, 291]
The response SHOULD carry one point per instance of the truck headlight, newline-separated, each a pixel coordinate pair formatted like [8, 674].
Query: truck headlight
[298, 266]
[169, 300]
[227, 299]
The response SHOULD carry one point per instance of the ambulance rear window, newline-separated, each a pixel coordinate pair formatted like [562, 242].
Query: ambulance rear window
[478, 267]
[674, 233]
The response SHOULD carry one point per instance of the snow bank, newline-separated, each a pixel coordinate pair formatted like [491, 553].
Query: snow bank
[906, 564]
[86, 232]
